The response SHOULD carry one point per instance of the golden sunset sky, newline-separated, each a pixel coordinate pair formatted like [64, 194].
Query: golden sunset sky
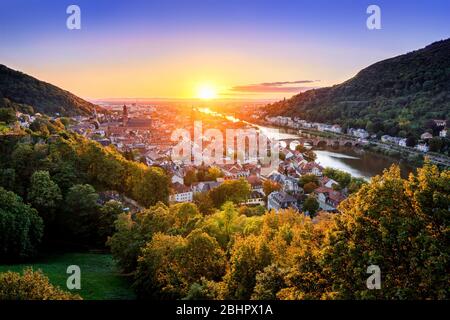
[236, 49]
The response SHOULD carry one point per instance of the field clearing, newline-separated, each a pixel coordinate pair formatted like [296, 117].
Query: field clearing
[100, 278]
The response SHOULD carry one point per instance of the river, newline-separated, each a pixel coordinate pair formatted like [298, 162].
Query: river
[356, 161]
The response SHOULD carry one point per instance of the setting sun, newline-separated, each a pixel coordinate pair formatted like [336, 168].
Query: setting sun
[206, 92]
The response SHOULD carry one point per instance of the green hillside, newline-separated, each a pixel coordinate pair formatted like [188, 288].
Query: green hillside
[396, 96]
[20, 91]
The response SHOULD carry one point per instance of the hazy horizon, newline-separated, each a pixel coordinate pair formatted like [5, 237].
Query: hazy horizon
[233, 49]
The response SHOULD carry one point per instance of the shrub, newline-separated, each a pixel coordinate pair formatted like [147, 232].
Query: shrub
[31, 285]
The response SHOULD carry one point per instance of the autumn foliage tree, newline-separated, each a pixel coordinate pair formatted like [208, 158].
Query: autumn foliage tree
[31, 285]
[168, 264]
[399, 225]
[236, 191]
[270, 186]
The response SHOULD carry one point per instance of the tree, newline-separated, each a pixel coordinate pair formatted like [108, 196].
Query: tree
[251, 211]
[204, 202]
[343, 178]
[206, 290]
[411, 141]
[223, 224]
[236, 191]
[7, 115]
[31, 285]
[398, 225]
[150, 185]
[308, 178]
[25, 159]
[109, 213]
[185, 217]
[311, 206]
[307, 278]
[44, 195]
[356, 184]
[310, 187]
[169, 265]
[126, 242]
[190, 177]
[40, 126]
[301, 148]
[249, 255]
[297, 270]
[8, 179]
[21, 228]
[336, 187]
[269, 282]
[65, 175]
[158, 273]
[133, 232]
[431, 126]
[202, 258]
[435, 144]
[310, 156]
[214, 173]
[270, 186]
[82, 213]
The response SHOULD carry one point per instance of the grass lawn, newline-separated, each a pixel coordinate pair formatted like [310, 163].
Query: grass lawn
[100, 278]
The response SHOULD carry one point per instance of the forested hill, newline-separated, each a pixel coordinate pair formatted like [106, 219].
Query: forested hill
[20, 91]
[393, 96]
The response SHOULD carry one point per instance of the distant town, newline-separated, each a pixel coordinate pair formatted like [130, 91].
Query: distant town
[143, 133]
[364, 136]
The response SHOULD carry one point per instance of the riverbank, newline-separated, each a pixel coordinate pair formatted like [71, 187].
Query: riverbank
[359, 162]
[412, 156]
[377, 156]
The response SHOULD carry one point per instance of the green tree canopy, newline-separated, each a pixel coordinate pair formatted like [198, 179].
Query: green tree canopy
[21, 228]
[44, 194]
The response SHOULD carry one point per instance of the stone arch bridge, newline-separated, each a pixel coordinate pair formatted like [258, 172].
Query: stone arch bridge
[324, 142]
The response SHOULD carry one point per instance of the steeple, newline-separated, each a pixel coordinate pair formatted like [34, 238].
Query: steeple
[125, 115]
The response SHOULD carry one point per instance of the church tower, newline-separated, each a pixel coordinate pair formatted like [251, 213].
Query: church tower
[125, 115]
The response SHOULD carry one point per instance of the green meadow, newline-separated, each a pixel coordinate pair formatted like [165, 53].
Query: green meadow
[100, 278]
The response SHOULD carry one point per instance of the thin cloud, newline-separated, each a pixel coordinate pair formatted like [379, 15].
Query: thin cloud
[280, 83]
[279, 86]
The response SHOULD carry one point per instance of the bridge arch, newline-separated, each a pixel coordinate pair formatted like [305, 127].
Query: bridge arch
[322, 143]
[335, 143]
[348, 144]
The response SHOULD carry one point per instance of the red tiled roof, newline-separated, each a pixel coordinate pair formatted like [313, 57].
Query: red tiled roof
[254, 180]
[180, 188]
[310, 165]
[335, 196]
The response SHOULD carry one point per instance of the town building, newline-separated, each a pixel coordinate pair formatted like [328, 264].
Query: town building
[256, 198]
[180, 193]
[204, 186]
[312, 168]
[328, 198]
[422, 147]
[360, 133]
[440, 123]
[426, 136]
[281, 200]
